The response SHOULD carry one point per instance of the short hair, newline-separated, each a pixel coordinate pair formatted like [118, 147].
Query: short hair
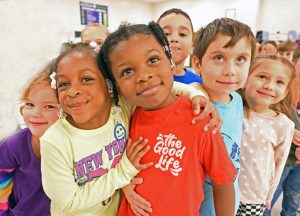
[296, 54]
[123, 33]
[225, 26]
[94, 25]
[176, 11]
[286, 46]
[43, 75]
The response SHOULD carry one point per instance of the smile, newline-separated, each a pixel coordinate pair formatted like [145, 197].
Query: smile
[265, 94]
[149, 91]
[37, 124]
[77, 106]
[227, 83]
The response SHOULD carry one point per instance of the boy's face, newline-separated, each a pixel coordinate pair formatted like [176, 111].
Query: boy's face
[268, 49]
[179, 33]
[82, 91]
[40, 109]
[286, 54]
[142, 72]
[224, 70]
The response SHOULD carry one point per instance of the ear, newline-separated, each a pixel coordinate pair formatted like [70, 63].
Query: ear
[197, 64]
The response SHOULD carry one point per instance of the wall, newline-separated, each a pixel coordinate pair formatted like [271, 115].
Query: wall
[31, 32]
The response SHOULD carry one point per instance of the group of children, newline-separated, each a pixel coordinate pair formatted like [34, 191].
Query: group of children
[119, 121]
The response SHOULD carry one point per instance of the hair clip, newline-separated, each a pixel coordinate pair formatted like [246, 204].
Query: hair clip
[93, 44]
[61, 114]
[53, 80]
[172, 63]
[110, 87]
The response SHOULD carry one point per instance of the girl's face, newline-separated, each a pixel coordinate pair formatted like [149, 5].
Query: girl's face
[40, 109]
[178, 30]
[82, 91]
[267, 84]
[142, 71]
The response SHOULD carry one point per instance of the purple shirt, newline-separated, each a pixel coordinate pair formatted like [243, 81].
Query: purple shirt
[30, 199]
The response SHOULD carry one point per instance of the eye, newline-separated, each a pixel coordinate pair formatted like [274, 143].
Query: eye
[219, 58]
[126, 71]
[167, 33]
[62, 85]
[183, 35]
[153, 60]
[280, 82]
[261, 76]
[28, 105]
[49, 106]
[87, 79]
[241, 59]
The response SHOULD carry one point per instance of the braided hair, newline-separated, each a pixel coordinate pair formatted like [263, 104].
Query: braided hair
[123, 33]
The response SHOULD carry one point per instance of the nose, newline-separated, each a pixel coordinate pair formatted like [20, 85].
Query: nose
[73, 92]
[229, 69]
[173, 38]
[144, 76]
[37, 112]
[269, 85]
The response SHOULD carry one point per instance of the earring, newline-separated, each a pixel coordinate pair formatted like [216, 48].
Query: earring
[61, 114]
[110, 87]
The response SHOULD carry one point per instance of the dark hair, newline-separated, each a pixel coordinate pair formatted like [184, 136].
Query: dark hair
[225, 26]
[123, 33]
[176, 11]
[285, 104]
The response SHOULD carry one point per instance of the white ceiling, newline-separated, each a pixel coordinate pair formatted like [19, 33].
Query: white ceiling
[154, 1]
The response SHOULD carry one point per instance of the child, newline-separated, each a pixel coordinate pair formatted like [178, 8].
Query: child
[268, 48]
[223, 51]
[94, 34]
[286, 49]
[20, 153]
[179, 31]
[137, 58]
[84, 158]
[289, 182]
[267, 132]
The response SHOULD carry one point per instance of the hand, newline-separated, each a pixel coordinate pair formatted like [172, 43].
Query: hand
[135, 151]
[215, 123]
[268, 205]
[296, 137]
[137, 203]
[297, 153]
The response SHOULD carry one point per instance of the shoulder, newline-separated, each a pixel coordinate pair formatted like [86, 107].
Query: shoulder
[285, 122]
[17, 139]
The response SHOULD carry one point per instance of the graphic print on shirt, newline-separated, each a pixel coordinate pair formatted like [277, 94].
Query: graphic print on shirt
[93, 165]
[233, 150]
[171, 152]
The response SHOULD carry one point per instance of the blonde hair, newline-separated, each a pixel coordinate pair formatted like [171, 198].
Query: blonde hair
[283, 106]
[94, 25]
[286, 46]
[42, 76]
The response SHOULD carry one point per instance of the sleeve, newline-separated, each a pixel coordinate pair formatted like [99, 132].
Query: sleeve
[216, 161]
[281, 152]
[188, 90]
[59, 181]
[7, 166]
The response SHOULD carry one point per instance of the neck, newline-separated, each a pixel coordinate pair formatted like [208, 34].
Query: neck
[179, 71]
[35, 143]
[258, 108]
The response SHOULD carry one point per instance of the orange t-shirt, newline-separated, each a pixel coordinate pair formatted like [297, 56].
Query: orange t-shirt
[182, 154]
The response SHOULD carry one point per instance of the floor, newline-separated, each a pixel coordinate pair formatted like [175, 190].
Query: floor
[277, 208]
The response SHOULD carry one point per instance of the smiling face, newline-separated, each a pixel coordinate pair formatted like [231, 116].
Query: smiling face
[224, 70]
[142, 71]
[40, 109]
[267, 84]
[268, 49]
[82, 91]
[178, 30]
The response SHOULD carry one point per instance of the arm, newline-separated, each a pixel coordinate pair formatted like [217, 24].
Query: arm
[59, 181]
[224, 199]
[281, 153]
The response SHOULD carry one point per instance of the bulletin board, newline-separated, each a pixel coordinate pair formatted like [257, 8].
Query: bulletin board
[93, 13]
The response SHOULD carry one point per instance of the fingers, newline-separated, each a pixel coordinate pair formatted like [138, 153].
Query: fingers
[296, 137]
[197, 103]
[136, 181]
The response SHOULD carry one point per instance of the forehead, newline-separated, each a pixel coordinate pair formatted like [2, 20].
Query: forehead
[221, 40]
[42, 91]
[94, 33]
[274, 68]
[174, 20]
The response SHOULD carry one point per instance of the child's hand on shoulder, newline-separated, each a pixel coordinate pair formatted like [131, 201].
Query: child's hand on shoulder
[136, 150]
[137, 203]
[209, 108]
